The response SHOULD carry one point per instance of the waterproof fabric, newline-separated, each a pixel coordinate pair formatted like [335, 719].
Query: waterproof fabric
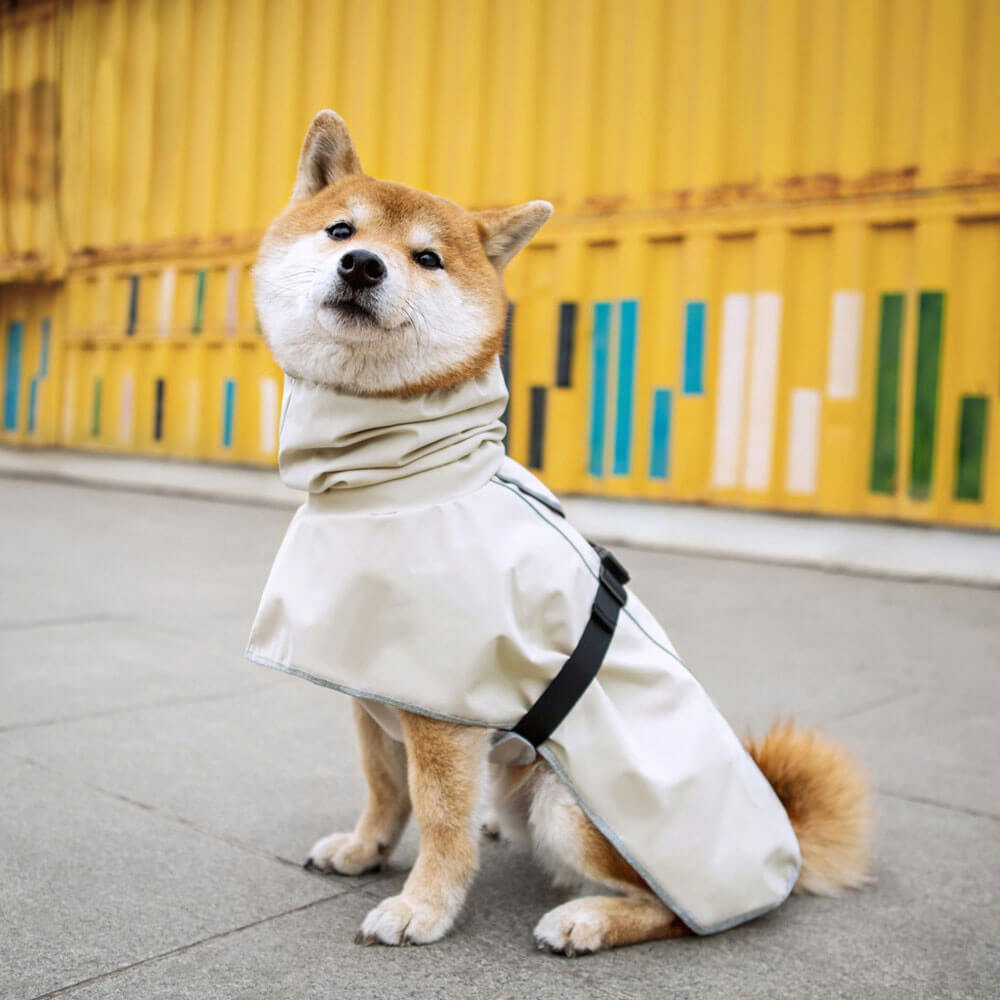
[428, 571]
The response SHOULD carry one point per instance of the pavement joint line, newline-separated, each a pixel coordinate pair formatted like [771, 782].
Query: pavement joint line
[17, 727]
[43, 623]
[870, 705]
[922, 800]
[121, 970]
[161, 813]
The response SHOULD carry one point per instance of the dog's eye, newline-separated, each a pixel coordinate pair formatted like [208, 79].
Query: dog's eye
[340, 231]
[428, 259]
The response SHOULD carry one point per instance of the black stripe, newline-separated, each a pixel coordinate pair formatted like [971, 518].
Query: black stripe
[536, 442]
[133, 304]
[505, 359]
[158, 411]
[567, 335]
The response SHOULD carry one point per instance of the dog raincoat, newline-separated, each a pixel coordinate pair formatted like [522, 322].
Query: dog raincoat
[428, 571]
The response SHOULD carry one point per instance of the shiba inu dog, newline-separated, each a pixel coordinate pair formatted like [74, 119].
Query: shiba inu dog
[385, 307]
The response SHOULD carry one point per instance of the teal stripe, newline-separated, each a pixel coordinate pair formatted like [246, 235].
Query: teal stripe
[12, 374]
[199, 301]
[228, 410]
[971, 448]
[883, 468]
[599, 386]
[694, 348]
[659, 461]
[626, 386]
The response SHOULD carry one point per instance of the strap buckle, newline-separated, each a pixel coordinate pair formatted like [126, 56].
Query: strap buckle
[613, 576]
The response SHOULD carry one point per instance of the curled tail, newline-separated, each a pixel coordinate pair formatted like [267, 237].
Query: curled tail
[826, 797]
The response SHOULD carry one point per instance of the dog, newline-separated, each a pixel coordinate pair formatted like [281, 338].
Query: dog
[384, 305]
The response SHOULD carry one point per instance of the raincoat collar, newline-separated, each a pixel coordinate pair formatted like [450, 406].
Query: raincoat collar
[378, 455]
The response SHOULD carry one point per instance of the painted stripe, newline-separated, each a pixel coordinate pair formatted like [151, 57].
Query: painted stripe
[890, 337]
[930, 322]
[844, 358]
[34, 390]
[505, 358]
[168, 286]
[133, 304]
[228, 411]
[12, 374]
[127, 413]
[599, 386]
[268, 388]
[730, 389]
[199, 301]
[971, 448]
[159, 391]
[536, 437]
[95, 407]
[232, 298]
[763, 390]
[694, 348]
[624, 402]
[567, 337]
[659, 460]
[803, 441]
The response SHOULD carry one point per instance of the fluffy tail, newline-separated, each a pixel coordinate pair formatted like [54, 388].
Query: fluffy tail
[826, 797]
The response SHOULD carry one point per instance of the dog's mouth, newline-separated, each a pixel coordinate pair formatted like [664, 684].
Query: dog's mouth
[352, 309]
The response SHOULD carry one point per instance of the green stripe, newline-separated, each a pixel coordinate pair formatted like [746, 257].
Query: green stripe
[199, 301]
[971, 446]
[95, 412]
[930, 322]
[883, 473]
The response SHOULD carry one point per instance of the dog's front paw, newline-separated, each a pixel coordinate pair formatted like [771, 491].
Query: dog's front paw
[396, 921]
[574, 928]
[345, 854]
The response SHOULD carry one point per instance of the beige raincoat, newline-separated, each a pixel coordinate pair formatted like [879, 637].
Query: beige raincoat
[424, 572]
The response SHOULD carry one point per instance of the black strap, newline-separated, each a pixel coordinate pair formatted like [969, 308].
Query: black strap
[565, 689]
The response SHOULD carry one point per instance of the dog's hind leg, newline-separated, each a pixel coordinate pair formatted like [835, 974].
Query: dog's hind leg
[383, 761]
[566, 841]
[446, 764]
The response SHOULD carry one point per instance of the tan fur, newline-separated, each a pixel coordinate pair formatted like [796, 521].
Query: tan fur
[826, 797]
[446, 766]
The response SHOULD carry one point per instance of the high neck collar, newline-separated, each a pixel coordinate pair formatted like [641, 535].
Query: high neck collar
[377, 455]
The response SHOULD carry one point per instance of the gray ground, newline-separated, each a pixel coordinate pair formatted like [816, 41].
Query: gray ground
[159, 793]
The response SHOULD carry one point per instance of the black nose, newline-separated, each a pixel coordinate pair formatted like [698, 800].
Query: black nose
[361, 268]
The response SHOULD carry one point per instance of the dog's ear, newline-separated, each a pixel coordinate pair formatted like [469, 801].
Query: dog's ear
[327, 155]
[504, 231]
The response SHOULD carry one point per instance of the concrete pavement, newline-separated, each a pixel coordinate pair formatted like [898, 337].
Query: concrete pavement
[160, 792]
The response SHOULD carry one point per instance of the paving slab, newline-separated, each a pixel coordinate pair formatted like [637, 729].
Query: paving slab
[90, 882]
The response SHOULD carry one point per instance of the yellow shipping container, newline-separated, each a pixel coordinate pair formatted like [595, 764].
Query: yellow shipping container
[771, 280]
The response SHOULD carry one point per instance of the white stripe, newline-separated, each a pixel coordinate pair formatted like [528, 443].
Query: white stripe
[168, 282]
[729, 389]
[763, 383]
[846, 311]
[232, 294]
[803, 441]
[268, 415]
[127, 409]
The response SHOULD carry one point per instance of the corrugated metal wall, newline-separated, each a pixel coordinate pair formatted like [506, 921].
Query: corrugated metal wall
[772, 279]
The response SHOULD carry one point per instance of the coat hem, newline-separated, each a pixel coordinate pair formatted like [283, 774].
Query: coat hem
[552, 760]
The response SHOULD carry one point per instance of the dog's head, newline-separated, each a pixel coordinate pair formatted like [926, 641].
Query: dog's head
[378, 289]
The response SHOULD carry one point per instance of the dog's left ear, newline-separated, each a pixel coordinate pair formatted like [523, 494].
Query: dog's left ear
[504, 231]
[327, 155]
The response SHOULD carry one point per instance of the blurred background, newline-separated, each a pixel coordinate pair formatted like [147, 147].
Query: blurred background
[772, 280]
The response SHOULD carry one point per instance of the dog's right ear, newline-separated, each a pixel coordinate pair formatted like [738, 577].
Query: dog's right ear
[327, 155]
